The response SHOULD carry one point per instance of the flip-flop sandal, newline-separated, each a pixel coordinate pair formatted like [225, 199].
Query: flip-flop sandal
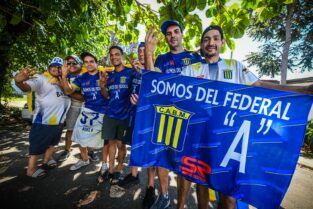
[49, 165]
[38, 174]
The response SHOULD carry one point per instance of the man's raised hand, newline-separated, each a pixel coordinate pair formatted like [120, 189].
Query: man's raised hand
[25, 74]
[103, 78]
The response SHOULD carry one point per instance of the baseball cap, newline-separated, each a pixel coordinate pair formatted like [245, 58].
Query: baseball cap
[76, 58]
[168, 23]
[85, 54]
[56, 61]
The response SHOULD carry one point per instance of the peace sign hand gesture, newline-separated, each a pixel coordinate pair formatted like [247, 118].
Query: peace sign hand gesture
[103, 79]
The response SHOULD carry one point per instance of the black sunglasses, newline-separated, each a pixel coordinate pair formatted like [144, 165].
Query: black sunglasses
[72, 63]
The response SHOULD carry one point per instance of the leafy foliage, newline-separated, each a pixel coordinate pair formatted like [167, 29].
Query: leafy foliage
[34, 31]
[309, 135]
[271, 30]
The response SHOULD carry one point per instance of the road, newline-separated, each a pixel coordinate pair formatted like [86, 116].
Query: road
[63, 188]
[300, 192]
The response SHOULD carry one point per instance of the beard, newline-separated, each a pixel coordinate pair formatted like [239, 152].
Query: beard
[207, 54]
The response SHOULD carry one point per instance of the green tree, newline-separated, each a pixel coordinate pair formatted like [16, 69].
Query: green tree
[33, 31]
[287, 37]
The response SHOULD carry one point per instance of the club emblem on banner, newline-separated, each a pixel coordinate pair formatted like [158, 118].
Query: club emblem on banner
[170, 126]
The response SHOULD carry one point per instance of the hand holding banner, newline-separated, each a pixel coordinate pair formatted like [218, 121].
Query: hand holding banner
[240, 140]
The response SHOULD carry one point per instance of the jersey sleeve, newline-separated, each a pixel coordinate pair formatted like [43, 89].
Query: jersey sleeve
[197, 58]
[35, 83]
[76, 83]
[158, 65]
[246, 76]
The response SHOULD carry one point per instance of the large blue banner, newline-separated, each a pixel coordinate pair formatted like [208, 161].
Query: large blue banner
[240, 140]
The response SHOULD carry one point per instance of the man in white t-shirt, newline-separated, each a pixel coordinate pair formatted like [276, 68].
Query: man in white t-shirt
[52, 106]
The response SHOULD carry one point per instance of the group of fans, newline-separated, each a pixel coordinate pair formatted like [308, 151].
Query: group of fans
[99, 108]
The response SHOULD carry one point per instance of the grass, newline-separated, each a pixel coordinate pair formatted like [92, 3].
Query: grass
[16, 99]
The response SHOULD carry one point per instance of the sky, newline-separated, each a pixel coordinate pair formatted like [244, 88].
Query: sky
[244, 46]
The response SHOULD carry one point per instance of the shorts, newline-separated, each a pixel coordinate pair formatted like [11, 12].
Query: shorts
[87, 130]
[71, 117]
[128, 139]
[42, 136]
[114, 129]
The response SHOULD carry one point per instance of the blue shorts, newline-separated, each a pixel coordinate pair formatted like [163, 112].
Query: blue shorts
[42, 136]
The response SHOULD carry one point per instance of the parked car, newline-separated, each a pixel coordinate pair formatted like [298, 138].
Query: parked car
[26, 115]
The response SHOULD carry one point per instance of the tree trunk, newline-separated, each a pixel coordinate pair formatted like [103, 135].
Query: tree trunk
[284, 63]
[3, 69]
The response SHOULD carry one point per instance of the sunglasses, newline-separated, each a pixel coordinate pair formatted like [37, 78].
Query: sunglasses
[72, 63]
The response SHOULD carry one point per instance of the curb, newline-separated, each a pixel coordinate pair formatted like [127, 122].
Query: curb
[302, 165]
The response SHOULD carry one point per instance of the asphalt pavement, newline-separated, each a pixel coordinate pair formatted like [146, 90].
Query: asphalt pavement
[64, 189]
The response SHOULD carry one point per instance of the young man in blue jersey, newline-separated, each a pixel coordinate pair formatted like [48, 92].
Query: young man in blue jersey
[51, 108]
[116, 88]
[133, 178]
[174, 61]
[212, 40]
[74, 67]
[87, 130]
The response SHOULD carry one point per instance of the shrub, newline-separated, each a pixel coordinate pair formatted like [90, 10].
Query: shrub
[309, 135]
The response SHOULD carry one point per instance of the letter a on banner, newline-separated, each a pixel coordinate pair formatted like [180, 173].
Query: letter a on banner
[243, 133]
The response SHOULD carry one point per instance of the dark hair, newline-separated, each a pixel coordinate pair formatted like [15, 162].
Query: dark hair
[116, 47]
[213, 27]
[85, 54]
[141, 44]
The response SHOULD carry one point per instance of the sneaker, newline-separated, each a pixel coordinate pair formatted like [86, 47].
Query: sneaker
[129, 181]
[79, 164]
[104, 168]
[93, 157]
[115, 178]
[162, 202]
[116, 191]
[64, 155]
[104, 173]
[149, 198]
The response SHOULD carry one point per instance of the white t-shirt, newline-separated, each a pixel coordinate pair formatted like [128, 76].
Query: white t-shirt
[51, 104]
[230, 71]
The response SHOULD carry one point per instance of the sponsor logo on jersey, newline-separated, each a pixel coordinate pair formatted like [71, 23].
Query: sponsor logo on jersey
[123, 79]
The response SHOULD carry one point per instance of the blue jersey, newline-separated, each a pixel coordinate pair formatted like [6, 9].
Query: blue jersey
[90, 88]
[135, 87]
[175, 63]
[119, 88]
[136, 82]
